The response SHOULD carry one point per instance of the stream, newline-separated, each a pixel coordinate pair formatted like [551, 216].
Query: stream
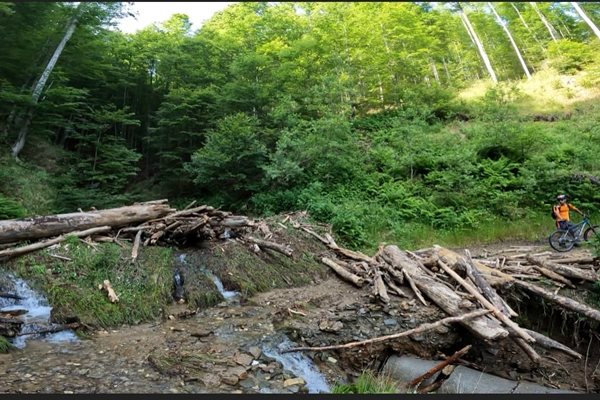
[238, 342]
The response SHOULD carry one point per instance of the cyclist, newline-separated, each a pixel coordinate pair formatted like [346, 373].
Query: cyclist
[561, 212]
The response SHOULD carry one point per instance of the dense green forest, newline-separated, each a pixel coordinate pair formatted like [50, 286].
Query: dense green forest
[399, 122]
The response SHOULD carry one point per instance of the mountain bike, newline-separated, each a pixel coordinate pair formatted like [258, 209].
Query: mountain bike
[565, 239]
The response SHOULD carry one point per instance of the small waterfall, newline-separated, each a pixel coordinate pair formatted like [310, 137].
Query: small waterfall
[296, 362]
[227, 294]
[37, 317]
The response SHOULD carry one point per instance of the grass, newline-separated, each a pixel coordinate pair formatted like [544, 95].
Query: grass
[72, 286]
[27, 184]
[414, 236]
[5, 345]
[368, 383]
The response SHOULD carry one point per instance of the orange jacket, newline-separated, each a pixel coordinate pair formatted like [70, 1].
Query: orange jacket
[562, 211]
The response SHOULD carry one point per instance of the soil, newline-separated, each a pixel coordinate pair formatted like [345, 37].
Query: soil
[221, 349]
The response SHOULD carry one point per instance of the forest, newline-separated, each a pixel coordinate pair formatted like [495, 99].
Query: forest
[403, 122]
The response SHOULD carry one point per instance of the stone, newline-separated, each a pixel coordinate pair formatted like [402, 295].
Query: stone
[390, 322]
[292, 382]
[248, 383]
[211, 380]
[240, 372]
[231, 380]
[331, 360]
[255, 351]
[242, 359]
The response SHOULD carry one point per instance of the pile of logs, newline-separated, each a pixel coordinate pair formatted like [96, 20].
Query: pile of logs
[461, 286]
[148, 223]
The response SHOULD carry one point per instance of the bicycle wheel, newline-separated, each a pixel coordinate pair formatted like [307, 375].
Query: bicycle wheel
[591, 233]
[561, 240]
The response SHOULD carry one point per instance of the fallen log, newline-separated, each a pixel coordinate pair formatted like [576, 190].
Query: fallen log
[551, 344]
[439, 367]
[455, 260]
[562, 301]
[286, 250]
[47, 243]
[348, 276]
[505, 320]
[530, 351]
[564, 270]
[15, 230]
[379, 289]
[442, 295]
[554, 276]
[136, 245]
[487, 290]
[107, 287]
[419, 329]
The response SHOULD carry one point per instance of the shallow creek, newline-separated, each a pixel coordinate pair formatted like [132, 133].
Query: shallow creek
[230, 348]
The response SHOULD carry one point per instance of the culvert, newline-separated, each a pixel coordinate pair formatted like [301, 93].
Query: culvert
[463, 380]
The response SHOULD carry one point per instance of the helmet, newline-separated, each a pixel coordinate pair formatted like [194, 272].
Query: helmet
[561, 197]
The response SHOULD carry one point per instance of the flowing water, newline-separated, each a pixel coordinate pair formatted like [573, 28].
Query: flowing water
[296, 362]
[37, 317]
[227, 294]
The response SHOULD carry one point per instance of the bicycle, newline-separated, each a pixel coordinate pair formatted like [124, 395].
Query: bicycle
[565, 239]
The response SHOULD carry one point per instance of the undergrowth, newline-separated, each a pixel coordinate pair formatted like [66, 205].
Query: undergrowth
[71, 285]
[368, 383]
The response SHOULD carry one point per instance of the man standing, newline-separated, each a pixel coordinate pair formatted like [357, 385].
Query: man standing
[561, 212]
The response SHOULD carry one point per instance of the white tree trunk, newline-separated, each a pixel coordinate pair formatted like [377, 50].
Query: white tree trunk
[484, 56]
[586, 18]
[525, 24]
[436, 75]
[550, 28]
[503, 25]
[41, 82]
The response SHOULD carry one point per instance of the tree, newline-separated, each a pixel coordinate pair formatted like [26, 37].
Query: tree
[477, 41]
[583, 15]
[512, 41]
[41, 81]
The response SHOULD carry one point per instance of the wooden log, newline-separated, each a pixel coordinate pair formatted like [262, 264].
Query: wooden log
[569, 272]
[531, 353]
[389, 281]
[47, 243]
[379, 287]
[551, 344]
[505, 320]
[236, 222]
[356, 280]
[439, 366]
[442, 295]
[136, 245]
[15, 230]
[562, 301]
[488, 292]
[397, 275]
[415, 289]
[419, 329]
[455, 260]
[554, 276]
[107, 287]
[283, 249]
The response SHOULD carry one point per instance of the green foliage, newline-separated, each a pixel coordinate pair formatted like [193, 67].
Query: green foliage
[10, 209]
[569, 56]
[367, 383]
[25, 189]
[5, 345]
[231, 161]
[72, 286]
